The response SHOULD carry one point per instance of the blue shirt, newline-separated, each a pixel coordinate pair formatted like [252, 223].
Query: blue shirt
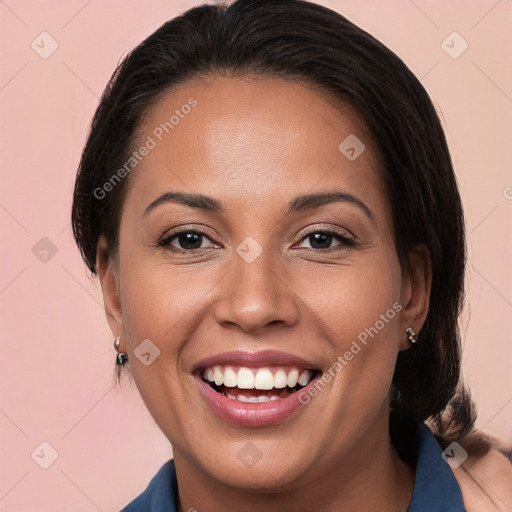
[435, 487]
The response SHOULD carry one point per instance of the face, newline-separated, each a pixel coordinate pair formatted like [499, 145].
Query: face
[262, 325]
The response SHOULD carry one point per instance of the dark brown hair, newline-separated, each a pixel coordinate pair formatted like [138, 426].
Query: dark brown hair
[299, 40]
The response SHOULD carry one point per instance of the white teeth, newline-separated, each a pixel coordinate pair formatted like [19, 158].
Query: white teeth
[218, 376]
[280, 379]
[264, 379]
[304, 377]
[249, 378]
[229, 378]
[252, 399]
[293, 377]
[245, 379]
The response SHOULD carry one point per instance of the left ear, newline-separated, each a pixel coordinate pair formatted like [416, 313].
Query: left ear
[415, 295]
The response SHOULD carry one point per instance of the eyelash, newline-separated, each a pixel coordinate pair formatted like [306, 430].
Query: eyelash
[339, 235]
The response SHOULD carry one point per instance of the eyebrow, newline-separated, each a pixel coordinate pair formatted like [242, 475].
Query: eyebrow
[298, 204]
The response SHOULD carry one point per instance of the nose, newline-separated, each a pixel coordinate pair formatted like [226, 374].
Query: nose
[257, 294]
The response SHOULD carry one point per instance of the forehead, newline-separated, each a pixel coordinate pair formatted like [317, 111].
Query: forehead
[248, 139]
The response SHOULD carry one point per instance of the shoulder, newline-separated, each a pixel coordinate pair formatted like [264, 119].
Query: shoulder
[485, 476]
[160, 494]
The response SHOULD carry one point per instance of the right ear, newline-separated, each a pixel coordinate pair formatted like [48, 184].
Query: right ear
[108, 274]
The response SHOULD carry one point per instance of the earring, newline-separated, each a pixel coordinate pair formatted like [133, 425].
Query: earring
[413, 337]
[121, 357]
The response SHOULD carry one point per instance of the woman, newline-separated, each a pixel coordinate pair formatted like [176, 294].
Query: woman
[268, 200]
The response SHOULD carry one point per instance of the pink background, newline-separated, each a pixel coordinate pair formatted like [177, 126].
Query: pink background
[56, 369]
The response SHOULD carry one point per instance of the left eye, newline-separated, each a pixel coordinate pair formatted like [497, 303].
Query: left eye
[323, 239]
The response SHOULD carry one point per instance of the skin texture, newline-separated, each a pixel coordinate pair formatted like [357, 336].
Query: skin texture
[254, 145]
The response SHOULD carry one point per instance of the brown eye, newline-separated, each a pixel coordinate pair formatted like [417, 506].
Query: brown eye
[323, 239]
[183, 241]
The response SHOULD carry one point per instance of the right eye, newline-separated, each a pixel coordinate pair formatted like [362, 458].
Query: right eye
[185, 240]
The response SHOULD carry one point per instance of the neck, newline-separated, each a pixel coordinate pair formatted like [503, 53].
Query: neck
[370, 476]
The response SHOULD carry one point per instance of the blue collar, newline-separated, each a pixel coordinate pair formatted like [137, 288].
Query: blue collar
[435, 487]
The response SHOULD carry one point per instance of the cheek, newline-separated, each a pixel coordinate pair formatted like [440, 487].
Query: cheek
[349, 300]
[167, 305]
[163, 306]
[157, 302]
[356, 309]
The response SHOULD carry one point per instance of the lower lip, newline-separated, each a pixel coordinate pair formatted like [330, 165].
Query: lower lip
[250, 414]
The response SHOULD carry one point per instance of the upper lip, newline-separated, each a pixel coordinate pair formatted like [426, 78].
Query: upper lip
[254, 359]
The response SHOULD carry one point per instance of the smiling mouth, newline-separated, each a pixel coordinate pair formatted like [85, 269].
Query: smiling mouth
[257, 385]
